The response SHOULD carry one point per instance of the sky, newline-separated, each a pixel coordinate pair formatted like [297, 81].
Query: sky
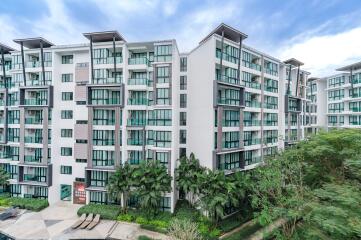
[324, 34]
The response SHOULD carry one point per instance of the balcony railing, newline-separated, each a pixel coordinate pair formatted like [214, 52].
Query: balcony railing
[270, 123]
[110, 101]
[103, 142]
[35, 64]
[33, 178]
[139, 81]
[138, 101]
[35, 101]
[233, 144]
[228, 79]
[136, 122]
[135, 142]
[228, 101]
[252, 65]
[33, 120]
[108, 80]
[253, 104]
[110, 60]
[138, 60]
[254, 85]
[252, 122]
[253, 160]
[2, 102]
[253, 141]
[29, 139]
[32, 159]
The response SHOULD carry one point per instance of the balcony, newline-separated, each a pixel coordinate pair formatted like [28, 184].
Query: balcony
[138, 61]
[136, 122]
[108, 80]
[110, 60]
[32, 120]
[140, 81]
[103, 142]
[253, 104]
[270, 123]
[252, 141]
[254, 85]
[109, 101]
[34, 178]
[251, 122]
[2, 102]
[253, 160]
[226, 56]
[135, 142]
[33, 64]
[227, 79]
[35, 102]
[270, 140]
[230, 145]
[251, 65]
[32, 159]
[32, 139]
[138, 101]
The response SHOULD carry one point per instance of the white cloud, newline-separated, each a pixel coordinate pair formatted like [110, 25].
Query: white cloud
[8, 31]
[322, 54]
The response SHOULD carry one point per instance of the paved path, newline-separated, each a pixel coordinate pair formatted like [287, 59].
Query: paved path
[55, 223]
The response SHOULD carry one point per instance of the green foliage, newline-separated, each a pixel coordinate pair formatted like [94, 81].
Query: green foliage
[144, 238]
[152, 182]
[4, 177]
[154, 228]
[110, 212]
[28, 203]
[184, 229]
[125, 217]
[189, 176]
[245, 232]
[120, 183]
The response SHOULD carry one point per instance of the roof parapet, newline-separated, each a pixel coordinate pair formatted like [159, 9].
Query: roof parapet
[32, 43]
[106, 36]
[229, 33]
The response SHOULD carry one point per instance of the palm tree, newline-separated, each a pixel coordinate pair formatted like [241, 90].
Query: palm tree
[152, 181]
[4, 177]
[188, 176]
[120, 184]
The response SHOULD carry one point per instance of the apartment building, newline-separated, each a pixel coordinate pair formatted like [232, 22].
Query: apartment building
[69, 115]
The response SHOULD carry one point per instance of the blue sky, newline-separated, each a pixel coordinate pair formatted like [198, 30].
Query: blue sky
[325, 34]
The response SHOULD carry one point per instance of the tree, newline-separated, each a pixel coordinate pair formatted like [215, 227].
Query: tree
[4, 177]
[120, 184]
[152, 181]
[188, 176]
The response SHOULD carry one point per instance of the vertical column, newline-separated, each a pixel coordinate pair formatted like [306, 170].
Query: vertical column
[90, 136]
[45, 135]
[351, 81]
[42, 61]
[3, 66]
[239, 60]
[114, 59]
[117, 137]
[23, 61]
[298, 77]
[219, 128]
[289, 80]
[22, 135]
[91, 60]
[221, 60]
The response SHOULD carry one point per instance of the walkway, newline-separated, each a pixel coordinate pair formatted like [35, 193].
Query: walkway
[55, 223]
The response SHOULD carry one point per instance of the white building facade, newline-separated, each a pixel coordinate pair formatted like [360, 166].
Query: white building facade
[71, 114]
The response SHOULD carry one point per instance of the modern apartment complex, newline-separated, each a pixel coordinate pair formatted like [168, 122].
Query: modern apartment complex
[69, 115]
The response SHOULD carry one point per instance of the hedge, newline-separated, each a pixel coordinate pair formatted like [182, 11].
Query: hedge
[32, 204]
[110, 212]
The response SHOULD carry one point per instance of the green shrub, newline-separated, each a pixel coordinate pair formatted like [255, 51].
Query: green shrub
[29, 203]
[184, 210]
[144, 238]
[110, 212]
[231, 223]
[159, 223]
[153, 228]
[125, 218]
[141, 220]
[184, 229]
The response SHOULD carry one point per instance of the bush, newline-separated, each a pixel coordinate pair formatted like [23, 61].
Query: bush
[184, 210]
[232, 222]
[110, 212]
[153, 228]
[144, 238]
[141, 220]
[29, 203]
[184, 229]
[125, 218]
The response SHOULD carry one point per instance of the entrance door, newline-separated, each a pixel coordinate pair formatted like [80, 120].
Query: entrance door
[65, 192]
[79, 193]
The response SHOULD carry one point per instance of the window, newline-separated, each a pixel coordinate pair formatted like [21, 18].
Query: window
[80, 160]
[161, 117]
[182, 152]
[67, 59]
[66, 151]
[103, 158]
[163, 53]
[103, 117]
[183, 100]
[67, 77]
[65, 169]
[183, 64]
[183, 82]
[80, 102]
[182, 136]
[164, 204]
[103, 137]
[77, 179]
[163, 74]
[231, 118]
[163, 138]
[67, 133]
[98, 178]
[66, 114]
[182, 118]
[83, 141]
[163, 96]
[229, 161]
[67, 96]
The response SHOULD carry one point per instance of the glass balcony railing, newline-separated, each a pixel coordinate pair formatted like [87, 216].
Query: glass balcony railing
[292, 138]
[2, 120]
[136, 122]
[33, 159]
[138, 101]
[228, 101]
[270, 123]
[253, 160]
[103, 142]
[140, 81]
[35, 101]
[3, 154]
[270, 140]
[253, 104]
[226, 57]
[139, 60]
[249, 123]
[33, 178]
[110, 101]
[2, 102]
[135, 142]
[253, 141]
[271, 106]
[355, 109]
[228, 79]
[233, 144]
[252, 65]
[29, 139]
[254, 85]
[108, 80]
[110, 60]
[33, 120]
[35, 64]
